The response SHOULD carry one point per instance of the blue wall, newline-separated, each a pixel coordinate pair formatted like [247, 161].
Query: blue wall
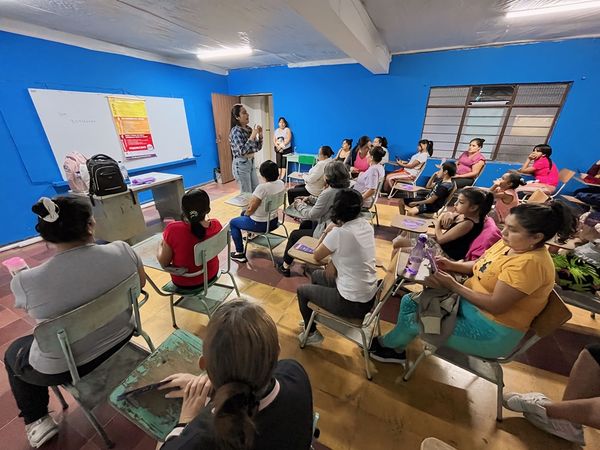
[323, 104]
[328, 103]
[28, 164]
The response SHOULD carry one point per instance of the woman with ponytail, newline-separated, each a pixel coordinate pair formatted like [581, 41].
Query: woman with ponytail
[508, 286]
[247, 399]
[410, 169]
[542, 169]
[79, 272]
[180, 237]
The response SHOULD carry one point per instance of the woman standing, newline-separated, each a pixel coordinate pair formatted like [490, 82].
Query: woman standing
[282, 143]
[244, 142]
[470, 164]
[540, 166]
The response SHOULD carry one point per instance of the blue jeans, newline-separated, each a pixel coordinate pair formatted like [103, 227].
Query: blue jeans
[247, 223]
[474, 333]
[245, 174]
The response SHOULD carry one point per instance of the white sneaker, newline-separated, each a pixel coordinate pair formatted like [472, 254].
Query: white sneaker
[41, 431]
[314, 338]
[564, 429]
[532, 402]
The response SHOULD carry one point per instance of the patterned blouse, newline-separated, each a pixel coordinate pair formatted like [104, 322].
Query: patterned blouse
[240, 142]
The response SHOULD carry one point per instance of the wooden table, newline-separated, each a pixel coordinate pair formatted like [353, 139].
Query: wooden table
[151, 411]
[412, 224]
[308, 258]
[408, 187]
[568, 245]
[421, 274]
[581, 177]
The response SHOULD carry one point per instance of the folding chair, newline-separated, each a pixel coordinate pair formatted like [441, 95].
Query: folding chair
[551, 318]
[370, 212]
[61, 333]
[408, 187]
[273, 203]
[564, 176]
[358, 331]
[210, 296]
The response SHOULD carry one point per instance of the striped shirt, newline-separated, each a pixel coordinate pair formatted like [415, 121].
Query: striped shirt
[240, 142]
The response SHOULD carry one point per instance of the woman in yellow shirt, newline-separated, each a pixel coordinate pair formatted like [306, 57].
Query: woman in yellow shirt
[509, 286]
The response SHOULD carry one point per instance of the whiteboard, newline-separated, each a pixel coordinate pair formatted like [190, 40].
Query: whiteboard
[82, 122]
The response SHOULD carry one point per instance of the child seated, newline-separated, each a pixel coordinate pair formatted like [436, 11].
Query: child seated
[505, 195]
[180, 237]
[247, 399]
[456, 231]
[440, 184]
[367, 182]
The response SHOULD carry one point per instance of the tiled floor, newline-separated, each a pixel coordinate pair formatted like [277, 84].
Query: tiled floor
[440, 401]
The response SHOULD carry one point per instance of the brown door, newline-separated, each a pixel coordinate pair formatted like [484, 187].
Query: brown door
[222, 105]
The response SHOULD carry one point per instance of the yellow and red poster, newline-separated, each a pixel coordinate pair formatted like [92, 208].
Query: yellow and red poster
[131, 121]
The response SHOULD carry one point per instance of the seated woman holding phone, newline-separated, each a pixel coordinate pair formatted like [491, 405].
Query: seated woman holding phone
[508, 287]
[247, 399]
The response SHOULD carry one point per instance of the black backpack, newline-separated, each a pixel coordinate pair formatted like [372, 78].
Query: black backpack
[105, 176]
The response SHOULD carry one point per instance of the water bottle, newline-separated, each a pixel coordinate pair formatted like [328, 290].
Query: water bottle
[416, 257]
[124, 173]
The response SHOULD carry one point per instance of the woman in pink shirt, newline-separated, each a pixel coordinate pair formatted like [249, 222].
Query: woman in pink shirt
[470, 164]
[540, 166]
[357, 160]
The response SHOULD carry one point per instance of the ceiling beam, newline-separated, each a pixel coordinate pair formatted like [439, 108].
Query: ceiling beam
[348, 26]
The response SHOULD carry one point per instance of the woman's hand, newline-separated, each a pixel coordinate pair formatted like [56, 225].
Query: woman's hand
[446, 220]
[440, 279]
[177, 381]
[194, 398]
[532, 156]
[444, 264]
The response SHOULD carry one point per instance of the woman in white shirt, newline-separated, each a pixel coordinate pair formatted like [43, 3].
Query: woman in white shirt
[348, 286]
[314, 180]
[282, 143]
[410, 169]
[255, 218]
[381, 141]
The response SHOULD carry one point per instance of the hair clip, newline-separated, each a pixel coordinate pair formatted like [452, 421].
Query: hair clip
[193, 214]
[52, 209]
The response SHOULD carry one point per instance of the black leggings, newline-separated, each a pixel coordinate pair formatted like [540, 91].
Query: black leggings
[297, 191]
[30, 387]
[280, 158]
[307, 228]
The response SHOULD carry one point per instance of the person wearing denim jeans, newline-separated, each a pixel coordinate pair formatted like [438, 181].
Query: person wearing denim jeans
[244, 142]
[244, 172]
[255, 217]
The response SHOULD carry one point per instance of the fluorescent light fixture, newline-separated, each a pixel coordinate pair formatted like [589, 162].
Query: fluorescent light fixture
[552, 9]
[225, 52]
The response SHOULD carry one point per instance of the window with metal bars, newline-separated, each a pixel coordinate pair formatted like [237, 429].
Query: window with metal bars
[511, 118]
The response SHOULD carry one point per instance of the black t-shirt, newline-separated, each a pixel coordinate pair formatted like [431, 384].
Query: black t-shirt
[284, 424]
[441, 189]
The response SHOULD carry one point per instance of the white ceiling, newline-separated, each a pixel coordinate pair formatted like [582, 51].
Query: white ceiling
[176, 29]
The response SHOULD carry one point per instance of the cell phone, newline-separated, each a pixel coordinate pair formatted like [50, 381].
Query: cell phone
[431, 258]
[141, 389]
[304, 248]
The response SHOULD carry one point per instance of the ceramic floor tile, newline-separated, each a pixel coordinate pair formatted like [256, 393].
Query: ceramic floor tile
[8, 407]
[13, 330]
[13, 435]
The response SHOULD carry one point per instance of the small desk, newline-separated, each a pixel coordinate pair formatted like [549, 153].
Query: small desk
[569, 244]
[151, 411]
[294, 158]
[408, 187]
[308, 258]
[580, 179]
[120, 217]
[410, 223]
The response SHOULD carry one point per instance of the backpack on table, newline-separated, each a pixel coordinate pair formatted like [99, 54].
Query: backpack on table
[105, 176]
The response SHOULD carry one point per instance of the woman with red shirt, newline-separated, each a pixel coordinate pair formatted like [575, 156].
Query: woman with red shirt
[540, 166]
[180, 237]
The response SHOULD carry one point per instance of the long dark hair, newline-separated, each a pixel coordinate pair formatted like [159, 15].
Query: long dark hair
[362, 141]
[383, 142]
[545, 150]
[429, 145]
[550, 219]
[284, 121]
[241, 349]
[195, 204]
[515, 179]
[484, 200]
[63, 219]
[235, 113]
